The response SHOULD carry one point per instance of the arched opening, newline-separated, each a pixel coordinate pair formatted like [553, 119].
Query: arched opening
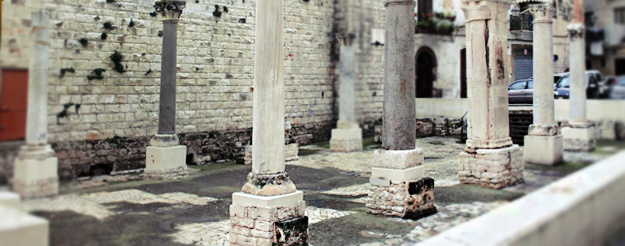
[426, 70]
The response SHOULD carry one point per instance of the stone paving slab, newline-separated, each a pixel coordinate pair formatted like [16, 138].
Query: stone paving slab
[194, 210]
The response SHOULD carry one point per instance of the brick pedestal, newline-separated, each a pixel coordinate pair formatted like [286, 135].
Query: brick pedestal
[492, 168]
[406, 199]
[268, 220]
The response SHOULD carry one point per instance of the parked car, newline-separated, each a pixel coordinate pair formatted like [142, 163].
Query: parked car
[521, 91]
[618, 88]
[603, 86]
[592, 87]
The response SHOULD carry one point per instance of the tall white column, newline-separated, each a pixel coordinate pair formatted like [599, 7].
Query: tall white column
[36, 168]
[543, 145]
[165, 158]
[254, 215]
[399, 187]
[490, 159]
[579, 134]
[347, 137]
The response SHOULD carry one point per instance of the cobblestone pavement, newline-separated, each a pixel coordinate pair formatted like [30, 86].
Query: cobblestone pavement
[126, 210]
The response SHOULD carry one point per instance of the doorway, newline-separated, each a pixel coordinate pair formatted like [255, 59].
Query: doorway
[426, 70]
[13, 102]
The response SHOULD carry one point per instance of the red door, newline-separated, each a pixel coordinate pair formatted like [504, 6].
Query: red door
[13, 101]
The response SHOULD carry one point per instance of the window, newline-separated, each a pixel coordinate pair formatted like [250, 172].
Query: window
[518, 86]
[424, 7]
[564, 83]
[619, 15]
[621, 81]
[530, 84]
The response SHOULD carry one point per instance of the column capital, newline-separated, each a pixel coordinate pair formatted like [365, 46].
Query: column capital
[475, 11]
[542, 12]
[346, 39]
[576, 30]
[170, 9]
[399, 2]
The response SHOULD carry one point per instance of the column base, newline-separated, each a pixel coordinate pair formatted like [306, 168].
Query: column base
[543, 150]
[165, 162]
[346, 140]
[18, 228]
[268, 220]
[35, 176]
[492, 168]
[405, 199]
[579, 139]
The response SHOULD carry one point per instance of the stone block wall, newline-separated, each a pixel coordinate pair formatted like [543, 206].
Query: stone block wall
[98, 125]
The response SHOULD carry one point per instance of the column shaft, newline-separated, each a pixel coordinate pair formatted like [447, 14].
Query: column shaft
[487, 85]
[543, 66]
[37, 116]
[347, 91]
[268, 122]
[167, 102]
[577, 77]
[399, 130]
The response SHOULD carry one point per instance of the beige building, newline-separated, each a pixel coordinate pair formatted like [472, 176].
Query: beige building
[605, 21]
[446, 53]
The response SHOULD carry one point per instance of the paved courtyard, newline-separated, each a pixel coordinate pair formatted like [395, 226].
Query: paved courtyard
[127, 210]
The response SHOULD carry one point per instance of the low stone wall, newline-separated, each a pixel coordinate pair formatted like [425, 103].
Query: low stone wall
[436, 126]
[581, 209]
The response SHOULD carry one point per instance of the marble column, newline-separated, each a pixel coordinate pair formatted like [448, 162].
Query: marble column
[347, 137]
[36, 168]
[270, 209]
[544, 144]
[579, 134]
[490, 159]
[165, 158]
[399, 187]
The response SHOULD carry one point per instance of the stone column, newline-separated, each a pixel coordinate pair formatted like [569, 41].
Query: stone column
[347, 137]
[270, 210]
[36, 167]
[579, 134]
[490, 159]
[543, 145]
[399, 186]
[165, 158]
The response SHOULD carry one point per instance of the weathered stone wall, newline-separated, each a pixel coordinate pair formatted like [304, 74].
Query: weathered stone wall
[102, 125]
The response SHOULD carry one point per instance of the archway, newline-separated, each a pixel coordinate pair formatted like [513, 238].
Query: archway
[425, 72]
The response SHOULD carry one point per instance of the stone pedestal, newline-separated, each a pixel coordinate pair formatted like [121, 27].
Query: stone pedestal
[579, 139]
[346, 140]
[10, 200]
[268, 220]
[492, 168]
[35, 173]
[164, 158]
[399, 186]
[21, 229]
[543, 150]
